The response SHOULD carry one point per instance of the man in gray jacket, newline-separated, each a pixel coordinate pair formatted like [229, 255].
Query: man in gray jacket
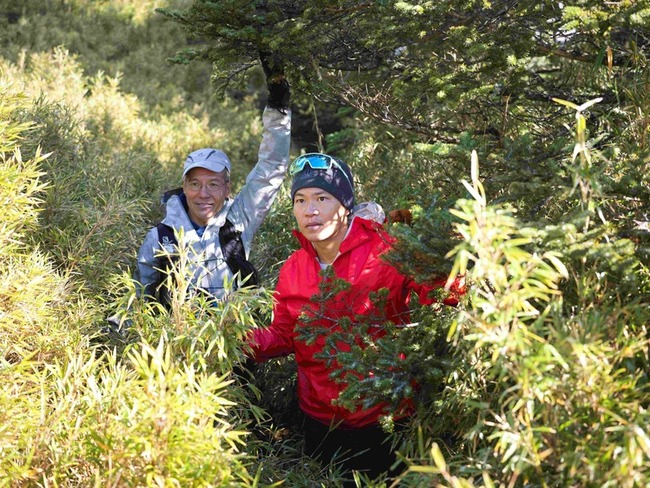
[196, 216]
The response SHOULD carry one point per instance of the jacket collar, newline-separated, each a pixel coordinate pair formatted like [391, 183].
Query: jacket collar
[358, 234]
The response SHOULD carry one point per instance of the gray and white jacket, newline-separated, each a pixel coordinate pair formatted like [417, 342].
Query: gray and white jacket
[246, 211]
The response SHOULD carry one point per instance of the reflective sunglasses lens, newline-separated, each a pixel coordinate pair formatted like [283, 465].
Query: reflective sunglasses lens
[297, 166]
[315, 161]
[318, 161]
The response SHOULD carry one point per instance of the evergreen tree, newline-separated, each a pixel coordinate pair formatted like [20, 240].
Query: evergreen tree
[454, 76]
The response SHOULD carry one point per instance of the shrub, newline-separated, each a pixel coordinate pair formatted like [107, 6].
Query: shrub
[547, 383]
[74, 415]
[33, 296]
[148, 422]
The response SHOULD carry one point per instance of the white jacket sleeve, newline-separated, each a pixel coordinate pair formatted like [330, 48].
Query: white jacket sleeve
[253, 202]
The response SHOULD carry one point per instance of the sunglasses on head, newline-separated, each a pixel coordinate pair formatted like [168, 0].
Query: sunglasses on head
[316, 161]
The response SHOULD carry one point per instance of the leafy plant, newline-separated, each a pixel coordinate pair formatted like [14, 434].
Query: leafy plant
[548, 383]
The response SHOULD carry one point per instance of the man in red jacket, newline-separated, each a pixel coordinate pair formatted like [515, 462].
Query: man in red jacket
[332, 235]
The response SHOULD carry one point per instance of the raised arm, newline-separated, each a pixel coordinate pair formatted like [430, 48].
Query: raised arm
[254, 201]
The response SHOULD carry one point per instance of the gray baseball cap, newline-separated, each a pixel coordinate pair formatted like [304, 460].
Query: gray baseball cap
[208, 158]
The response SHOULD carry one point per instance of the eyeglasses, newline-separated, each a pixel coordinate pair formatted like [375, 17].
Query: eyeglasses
[211, 187]
[316, 161]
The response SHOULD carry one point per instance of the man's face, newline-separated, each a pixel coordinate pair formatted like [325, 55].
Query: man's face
[206, 192]
[321, 218]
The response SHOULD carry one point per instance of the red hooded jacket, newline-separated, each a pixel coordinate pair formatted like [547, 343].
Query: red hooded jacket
[359, 262]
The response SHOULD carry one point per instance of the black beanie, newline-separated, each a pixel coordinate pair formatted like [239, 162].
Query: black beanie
[333, 180]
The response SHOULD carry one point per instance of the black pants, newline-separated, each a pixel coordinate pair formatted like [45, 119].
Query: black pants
[367, 449]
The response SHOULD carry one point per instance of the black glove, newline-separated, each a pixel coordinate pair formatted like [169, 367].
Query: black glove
[116, 326]
[277, 84]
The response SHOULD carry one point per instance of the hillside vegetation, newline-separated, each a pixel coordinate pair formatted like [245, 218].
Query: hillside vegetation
[515, 133]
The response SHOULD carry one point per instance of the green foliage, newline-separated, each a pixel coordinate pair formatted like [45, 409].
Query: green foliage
[548, 385]
[125, 40]
[538, 378]
[109, 161]
[20, 181]
[270, 247]
[426, 259]
[149, 416]
[448, 77]
[208, 333]
[148, 422]
[32, 294]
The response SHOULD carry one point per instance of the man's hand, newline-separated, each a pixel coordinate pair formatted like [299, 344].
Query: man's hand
[278, 86]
